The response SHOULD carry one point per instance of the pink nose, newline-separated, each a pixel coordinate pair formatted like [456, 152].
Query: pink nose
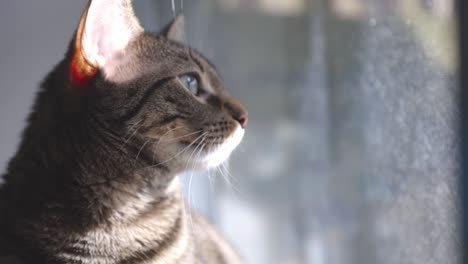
[242, 118]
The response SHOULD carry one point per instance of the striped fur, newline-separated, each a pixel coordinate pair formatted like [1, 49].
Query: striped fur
[94, 180]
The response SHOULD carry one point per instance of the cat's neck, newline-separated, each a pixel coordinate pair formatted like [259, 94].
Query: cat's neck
[140, 231]
[129, 219]
[81, 181]
[135, 230]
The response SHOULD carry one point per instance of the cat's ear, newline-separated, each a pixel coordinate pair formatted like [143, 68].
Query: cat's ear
[175, 31]
[105, 29]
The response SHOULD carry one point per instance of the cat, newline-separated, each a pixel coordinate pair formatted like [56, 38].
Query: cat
[95, 178]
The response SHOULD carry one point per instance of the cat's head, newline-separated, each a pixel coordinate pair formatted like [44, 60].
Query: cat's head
[160, 96]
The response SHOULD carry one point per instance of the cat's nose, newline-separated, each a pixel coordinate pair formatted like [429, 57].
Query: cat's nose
[237, 112]
[242, 118]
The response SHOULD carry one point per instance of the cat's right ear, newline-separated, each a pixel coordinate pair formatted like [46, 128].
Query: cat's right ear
[175, 31]
[105, 30]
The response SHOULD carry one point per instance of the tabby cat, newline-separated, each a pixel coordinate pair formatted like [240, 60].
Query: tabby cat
[95, 178]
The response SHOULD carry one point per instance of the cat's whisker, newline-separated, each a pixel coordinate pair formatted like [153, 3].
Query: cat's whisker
[190, 182]
[133, 129]
[232, 179]
[167, 132]
[157, 144]
[130, 137]
[197, 156]
[210, 181]
[225, 166]
[130, 129]
[142, 147]
[173, 8]
[189, 195]
[227, 178]
[199, 144]
[193, 167]
[191, 177]
[180, 152]
[189, 134]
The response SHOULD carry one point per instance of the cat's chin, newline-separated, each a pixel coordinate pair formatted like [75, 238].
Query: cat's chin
[207, 157]
[221, 153]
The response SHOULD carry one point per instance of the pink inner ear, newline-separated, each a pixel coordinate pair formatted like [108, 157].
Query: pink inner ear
[105, 29]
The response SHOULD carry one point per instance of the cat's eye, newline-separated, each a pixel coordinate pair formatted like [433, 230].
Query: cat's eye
[190, 82]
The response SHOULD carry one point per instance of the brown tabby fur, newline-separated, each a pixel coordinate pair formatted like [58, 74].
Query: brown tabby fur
[95, 176]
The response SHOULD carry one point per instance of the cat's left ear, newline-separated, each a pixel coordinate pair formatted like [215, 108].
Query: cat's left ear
[175, 31]
[105, 30]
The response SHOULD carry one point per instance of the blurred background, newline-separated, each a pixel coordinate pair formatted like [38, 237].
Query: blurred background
[350, 155]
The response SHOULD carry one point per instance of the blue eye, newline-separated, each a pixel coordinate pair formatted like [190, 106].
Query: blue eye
[190, 82]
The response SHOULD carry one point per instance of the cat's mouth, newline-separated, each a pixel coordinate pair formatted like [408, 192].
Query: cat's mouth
[218, 153]
[210, 150]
